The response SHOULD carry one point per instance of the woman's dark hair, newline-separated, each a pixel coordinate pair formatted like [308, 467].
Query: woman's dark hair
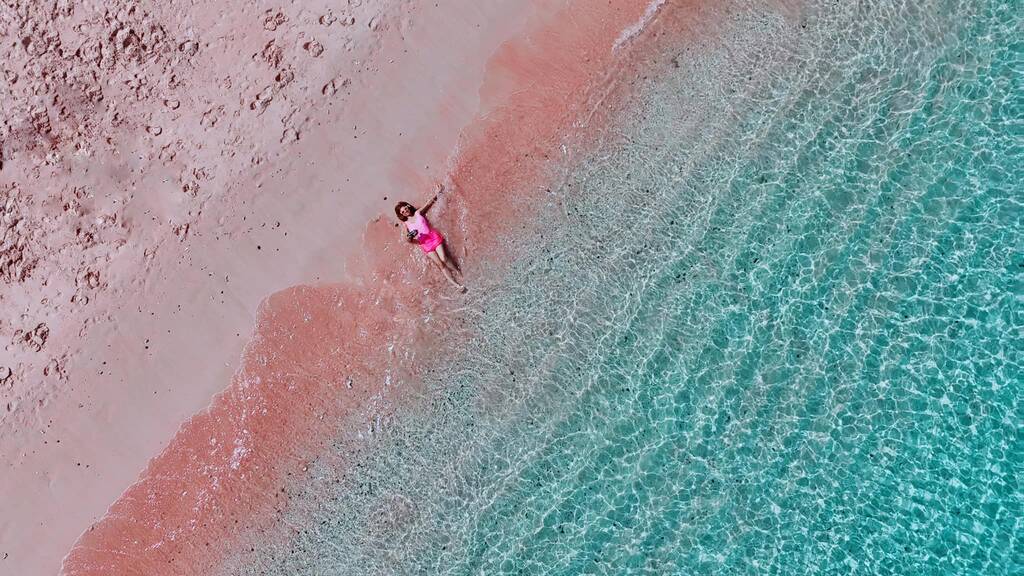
[398, 209]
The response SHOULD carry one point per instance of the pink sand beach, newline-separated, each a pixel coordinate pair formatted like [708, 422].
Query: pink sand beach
[201, 277]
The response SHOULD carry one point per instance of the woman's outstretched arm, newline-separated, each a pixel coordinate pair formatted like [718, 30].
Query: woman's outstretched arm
[440, 188]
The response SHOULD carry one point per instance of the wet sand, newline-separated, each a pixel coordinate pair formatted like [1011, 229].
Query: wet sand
[143, 259]
[335, 374]
[248, 179]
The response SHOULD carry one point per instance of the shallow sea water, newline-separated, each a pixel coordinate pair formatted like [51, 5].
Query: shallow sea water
[772, 327]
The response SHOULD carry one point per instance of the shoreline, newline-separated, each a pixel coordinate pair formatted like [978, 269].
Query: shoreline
[175, 266]
[501, 120]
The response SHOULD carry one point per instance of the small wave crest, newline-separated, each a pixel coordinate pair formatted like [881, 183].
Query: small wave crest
[632, 31]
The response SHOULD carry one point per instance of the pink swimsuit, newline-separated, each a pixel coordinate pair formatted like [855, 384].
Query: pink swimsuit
[428, 238]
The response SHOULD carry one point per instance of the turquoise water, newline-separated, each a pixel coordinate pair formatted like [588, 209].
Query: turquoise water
[772, 327]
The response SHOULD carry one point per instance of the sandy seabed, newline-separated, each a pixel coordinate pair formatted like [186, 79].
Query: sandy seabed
[167, 166]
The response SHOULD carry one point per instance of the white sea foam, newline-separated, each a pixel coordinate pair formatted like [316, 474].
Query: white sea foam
[632, 31]
[238, 454]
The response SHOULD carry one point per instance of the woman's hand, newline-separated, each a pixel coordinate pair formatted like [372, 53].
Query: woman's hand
[437, 192]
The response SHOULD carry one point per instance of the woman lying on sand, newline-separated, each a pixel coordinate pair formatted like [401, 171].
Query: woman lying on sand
[418, 230]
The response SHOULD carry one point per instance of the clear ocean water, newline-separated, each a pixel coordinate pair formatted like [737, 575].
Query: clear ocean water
[773, 326]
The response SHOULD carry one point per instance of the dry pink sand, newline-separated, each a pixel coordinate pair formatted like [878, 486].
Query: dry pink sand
[166, 166]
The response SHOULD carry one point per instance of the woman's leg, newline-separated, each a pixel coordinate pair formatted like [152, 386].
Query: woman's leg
[436, 259]
[449, 262]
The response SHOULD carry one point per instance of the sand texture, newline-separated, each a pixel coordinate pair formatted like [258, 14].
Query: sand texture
[167, 166]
